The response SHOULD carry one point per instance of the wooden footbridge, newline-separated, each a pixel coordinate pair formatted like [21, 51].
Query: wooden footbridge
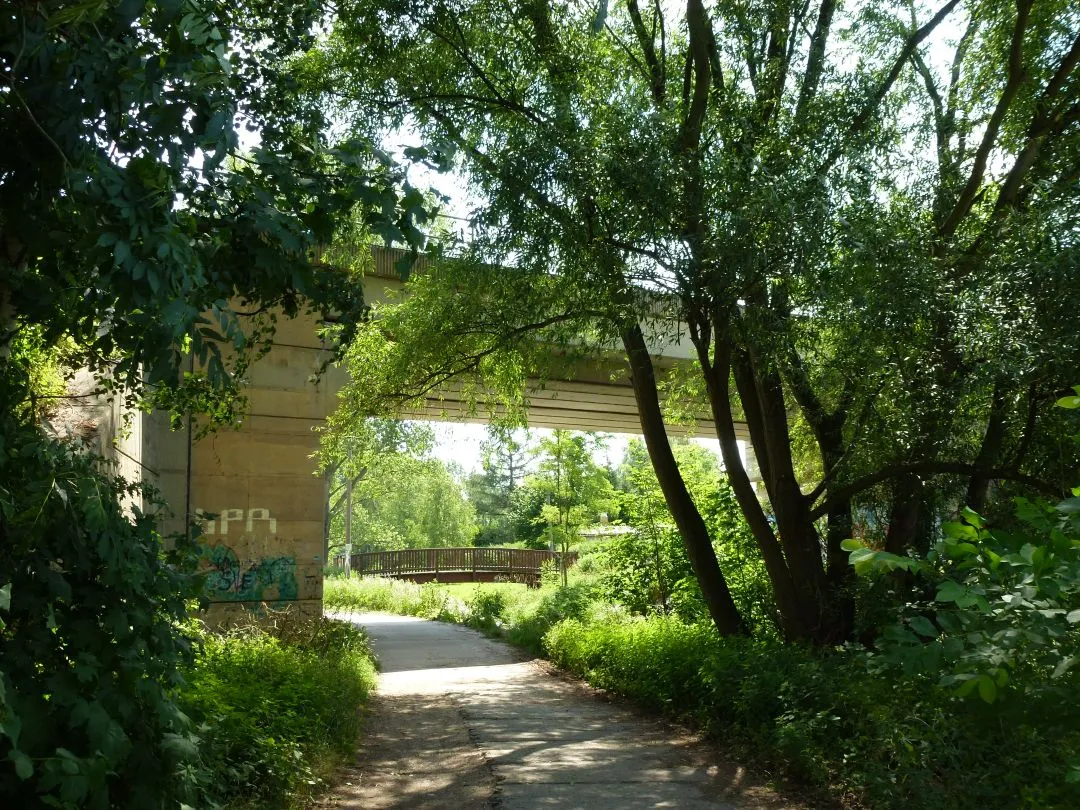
[457, 564]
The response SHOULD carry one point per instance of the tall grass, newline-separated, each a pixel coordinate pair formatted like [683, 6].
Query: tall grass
[429, 601]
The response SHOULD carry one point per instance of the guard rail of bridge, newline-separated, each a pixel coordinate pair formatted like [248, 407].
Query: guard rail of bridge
[468, 564]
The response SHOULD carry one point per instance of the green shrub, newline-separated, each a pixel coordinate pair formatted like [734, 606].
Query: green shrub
[90, 646]
[528, 621]
[95, 647]
[485, 609]
[655, 661]
[276, 707]
[843, 721]
[991, 611]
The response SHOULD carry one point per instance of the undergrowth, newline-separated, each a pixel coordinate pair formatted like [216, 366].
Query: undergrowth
[404, 598]
[276, 708]
[835, 720]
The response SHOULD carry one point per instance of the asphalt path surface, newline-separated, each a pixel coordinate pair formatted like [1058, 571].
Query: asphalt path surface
[460, 721]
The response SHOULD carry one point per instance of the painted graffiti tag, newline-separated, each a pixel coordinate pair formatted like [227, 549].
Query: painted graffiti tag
[229, 580]
[219, 523]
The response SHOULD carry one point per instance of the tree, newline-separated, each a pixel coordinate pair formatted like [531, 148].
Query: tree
[646, 567]
[574, 489]
[849, 227]
[135, 229]
[368, 452]
[407, 501]
[131, 218]
[649, 569]
[504, 459]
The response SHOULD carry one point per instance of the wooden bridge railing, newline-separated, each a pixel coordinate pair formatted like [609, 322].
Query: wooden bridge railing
[449, 564]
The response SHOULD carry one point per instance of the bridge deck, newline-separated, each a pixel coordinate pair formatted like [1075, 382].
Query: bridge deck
[457, 564]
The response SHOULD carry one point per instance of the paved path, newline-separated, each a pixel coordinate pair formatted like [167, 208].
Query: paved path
[461, 722]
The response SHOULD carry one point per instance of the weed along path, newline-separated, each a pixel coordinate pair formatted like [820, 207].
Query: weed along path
[461, 721]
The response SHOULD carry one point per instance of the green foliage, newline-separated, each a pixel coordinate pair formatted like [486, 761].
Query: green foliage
[645, 570]
[124, 190]
[527, 624]
[90, 645]
[650, 570]
[1071, 402]
[405, 598]
[493, 491]
[134, 228]
[996, 613]
[570, 488]
[486, 609]
[405, 502]
[654, 661]
[399, 495]
[835, 720]
[277, 707]
[526, 509]
[41, 366]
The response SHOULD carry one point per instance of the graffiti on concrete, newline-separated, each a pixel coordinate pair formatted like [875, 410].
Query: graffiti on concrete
[271, 579]
[219, 523]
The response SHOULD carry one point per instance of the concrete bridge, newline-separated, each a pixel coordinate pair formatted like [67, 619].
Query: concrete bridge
[254, 489]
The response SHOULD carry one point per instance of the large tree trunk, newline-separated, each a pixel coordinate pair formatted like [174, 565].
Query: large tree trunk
[717, 374]
[815, 602]
[688, 519]
[839, 573]
[989, 450]
[840, 576]
[904, 517]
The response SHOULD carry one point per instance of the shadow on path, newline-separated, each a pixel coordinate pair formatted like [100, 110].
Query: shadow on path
[461, 721]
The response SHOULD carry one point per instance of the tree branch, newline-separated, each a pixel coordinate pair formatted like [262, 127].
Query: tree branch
[929, 468]
[935, 100]
[863, 118]
[776, 64]
[1016, 79]
[648, 49]
[435, 377]
[815, 60]
[479, 72]
[698, 61]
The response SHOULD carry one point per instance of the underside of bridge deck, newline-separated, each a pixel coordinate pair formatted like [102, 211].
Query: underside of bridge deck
[255, 489]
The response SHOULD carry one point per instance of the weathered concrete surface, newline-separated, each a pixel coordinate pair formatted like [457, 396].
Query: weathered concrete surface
[461, 721]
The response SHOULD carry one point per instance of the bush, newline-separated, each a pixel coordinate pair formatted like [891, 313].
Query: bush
[655, 661]
[277, 707]
[991, 611]
[90, 645]
[486, 609]
[841, 721]
[528, 621]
